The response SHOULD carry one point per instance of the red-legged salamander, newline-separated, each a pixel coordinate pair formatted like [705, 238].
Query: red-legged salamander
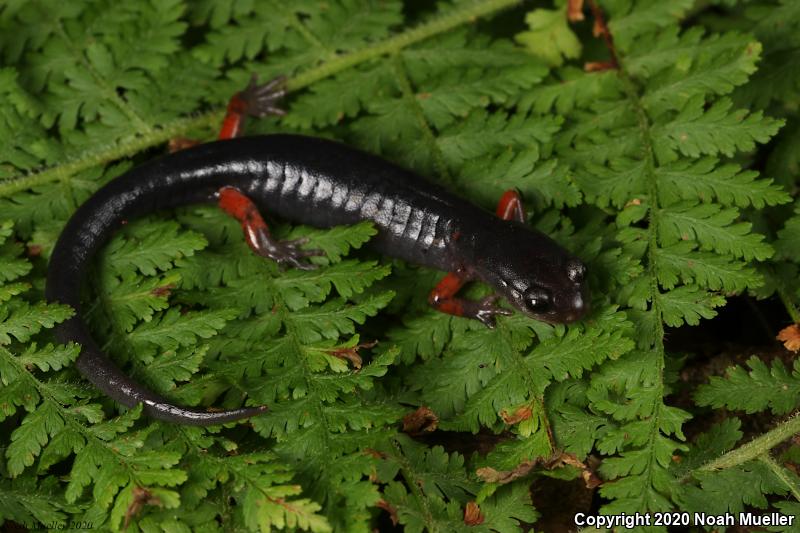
[320, 183]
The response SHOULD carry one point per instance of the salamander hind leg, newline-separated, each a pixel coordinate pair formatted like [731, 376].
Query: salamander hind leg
[510, 206]
[443, 298]
[256, 231]
[255, 100]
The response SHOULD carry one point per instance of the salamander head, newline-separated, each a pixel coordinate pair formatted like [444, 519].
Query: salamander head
[558, 298]
[536, 275]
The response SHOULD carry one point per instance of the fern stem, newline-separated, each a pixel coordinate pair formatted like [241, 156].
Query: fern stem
[415, 486]
[753, 449]
[440, 24]
[409, 96]
[179, 127]
[631, 90]
[536, 396]
[787, 302]
[780, 473]
[312, 387]
[106, 154]
[652, 250]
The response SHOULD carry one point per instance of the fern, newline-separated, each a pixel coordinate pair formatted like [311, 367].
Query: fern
[668, 112]
[755, 390]
[437, 485]
[639, 146]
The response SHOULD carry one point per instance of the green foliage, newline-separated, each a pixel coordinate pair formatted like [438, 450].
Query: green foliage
[648, 171]
[437, 488]
[756, 390]
[647, 134]
[550, 37]
[713, 496]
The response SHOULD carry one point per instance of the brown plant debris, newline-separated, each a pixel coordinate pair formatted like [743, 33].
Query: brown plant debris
[141, 497]
[423, 420]
[351, 353]
[790, 337]
[521, 413]
[559, 460]
[575, 10]
[473, 515]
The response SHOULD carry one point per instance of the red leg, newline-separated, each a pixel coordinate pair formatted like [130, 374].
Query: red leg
[257, 234]
[258, 100]
[255, 100]
[510, 207]
[234, 119]
[443, 297]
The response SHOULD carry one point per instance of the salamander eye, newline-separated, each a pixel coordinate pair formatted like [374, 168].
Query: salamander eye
[537, 300]
[576, 271]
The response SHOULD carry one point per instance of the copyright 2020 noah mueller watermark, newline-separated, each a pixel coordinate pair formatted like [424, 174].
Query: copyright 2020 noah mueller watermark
[630, 521]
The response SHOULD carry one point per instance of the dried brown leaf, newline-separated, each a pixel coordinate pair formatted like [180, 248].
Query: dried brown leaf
[141, 497]
[389, 508]
[522, 413]
[790, 336]
[351, 353]
[423, 420]
[575, 10]
[599, 66]
[490, 475]
[473, 515]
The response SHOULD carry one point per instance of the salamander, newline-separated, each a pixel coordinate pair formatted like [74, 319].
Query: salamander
[321, 183]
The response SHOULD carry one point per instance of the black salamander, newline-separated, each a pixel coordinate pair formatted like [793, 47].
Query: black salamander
[323, 184]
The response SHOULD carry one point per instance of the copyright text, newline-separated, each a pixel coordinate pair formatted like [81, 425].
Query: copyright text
[630, 521]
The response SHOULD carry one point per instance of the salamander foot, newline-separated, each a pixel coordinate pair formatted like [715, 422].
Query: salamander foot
[443, 298]
[286, 253]
[485, 310]
[257, 234]
[253, 101]
[262, 100]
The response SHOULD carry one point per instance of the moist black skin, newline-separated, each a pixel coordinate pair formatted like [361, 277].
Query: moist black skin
[320, 183]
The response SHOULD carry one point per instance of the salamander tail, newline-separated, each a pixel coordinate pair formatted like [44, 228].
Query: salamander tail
[107, 376]
[178, 179]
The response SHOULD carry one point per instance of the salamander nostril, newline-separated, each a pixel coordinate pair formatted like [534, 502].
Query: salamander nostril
[574, 307]
[578, 304]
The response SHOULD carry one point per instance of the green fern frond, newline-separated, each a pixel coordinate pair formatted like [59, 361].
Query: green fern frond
[641, 153]
[758, 389]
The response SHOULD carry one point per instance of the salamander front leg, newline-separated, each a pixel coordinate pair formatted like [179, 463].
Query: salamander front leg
[443, 298]
[239, 206]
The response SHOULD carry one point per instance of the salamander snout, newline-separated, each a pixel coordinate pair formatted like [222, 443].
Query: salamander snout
[568, 299]
[572, 306]
[571, 298]
[561, 301]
